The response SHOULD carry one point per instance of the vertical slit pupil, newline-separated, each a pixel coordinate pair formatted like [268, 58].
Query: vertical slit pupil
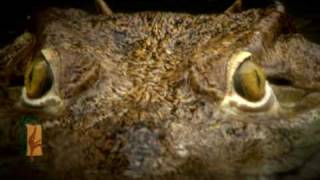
[31, 75]
[257, 78]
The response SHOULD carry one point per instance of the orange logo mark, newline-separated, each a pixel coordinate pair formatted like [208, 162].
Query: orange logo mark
[34, 140]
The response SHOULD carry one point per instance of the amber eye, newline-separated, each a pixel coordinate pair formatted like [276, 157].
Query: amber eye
[249, 81]
[38, 78]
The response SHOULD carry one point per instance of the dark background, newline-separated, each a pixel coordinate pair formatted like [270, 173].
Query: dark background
[16, 15]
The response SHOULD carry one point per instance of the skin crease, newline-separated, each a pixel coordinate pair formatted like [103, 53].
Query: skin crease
[140, 96]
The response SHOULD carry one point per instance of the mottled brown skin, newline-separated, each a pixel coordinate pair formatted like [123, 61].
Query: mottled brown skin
[142, 96]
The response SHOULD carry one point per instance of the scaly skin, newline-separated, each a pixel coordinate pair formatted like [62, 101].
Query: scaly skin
[150, 95]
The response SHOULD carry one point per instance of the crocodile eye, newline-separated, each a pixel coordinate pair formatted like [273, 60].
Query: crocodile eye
[249, 81]
[38, 78]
